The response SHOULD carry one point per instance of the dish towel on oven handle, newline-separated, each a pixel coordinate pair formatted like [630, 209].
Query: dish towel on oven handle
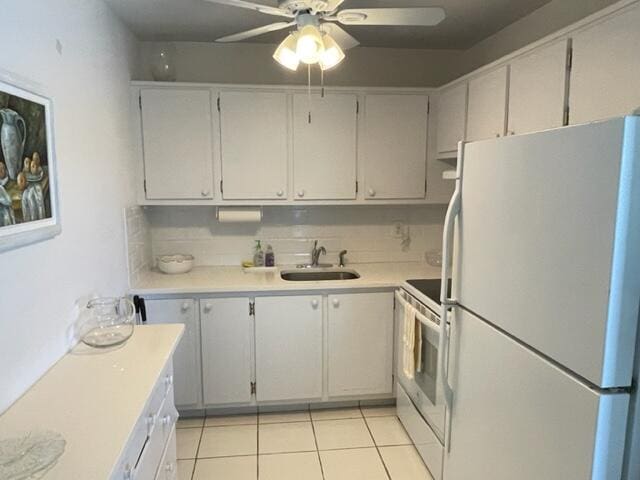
[411, 340]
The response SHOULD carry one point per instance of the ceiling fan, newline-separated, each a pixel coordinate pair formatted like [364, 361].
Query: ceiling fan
[318, 39]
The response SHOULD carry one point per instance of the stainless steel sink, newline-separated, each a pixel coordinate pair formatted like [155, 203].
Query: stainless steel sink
[318, 275]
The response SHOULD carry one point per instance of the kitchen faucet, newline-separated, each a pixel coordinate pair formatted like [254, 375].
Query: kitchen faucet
[341, 258]
[316, 252]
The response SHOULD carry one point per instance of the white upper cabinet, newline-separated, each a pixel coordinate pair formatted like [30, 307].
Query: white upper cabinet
[324, 147]
[187, 380]
[177, 143]
[452, 118]
[227, 344]
[360, 340]
[487, 105]
[606, 69]
[538, 89]
[254, 150]
[394, 152]
[288, 348]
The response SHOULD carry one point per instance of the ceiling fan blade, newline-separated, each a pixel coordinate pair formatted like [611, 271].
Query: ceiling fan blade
[236, 37]
[421, 16]
[332, 5]
[341, 37]
[254, 6]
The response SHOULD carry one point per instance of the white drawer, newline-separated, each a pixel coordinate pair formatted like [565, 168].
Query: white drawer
[168, 469]
[425, 441]
[139, 441]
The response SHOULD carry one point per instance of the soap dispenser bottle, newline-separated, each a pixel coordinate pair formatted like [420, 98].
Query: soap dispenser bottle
[269, 257]
[258, 256]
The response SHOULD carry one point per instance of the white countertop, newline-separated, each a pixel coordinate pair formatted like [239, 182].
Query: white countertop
[93, 399]
[202, 280]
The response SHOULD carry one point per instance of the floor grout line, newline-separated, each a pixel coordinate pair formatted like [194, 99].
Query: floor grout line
[315, 440]
[384, 465]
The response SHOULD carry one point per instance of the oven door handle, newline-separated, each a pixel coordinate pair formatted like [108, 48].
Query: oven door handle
[446, 302]
[430, 324]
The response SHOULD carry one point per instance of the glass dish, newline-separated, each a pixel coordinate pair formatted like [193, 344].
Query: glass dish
[110, 322]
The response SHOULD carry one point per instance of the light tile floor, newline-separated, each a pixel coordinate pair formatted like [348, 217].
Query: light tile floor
[339, 444]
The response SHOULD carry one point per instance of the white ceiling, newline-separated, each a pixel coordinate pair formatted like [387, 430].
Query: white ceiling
[467, 22]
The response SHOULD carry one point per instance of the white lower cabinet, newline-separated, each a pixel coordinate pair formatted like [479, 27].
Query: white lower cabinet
[288, 333]
[227, 344]
[186, 360]
[360, 344]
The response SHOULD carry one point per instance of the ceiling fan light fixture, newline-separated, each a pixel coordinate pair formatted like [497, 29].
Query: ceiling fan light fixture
[309, 46]
[332, 54]
[286, 54]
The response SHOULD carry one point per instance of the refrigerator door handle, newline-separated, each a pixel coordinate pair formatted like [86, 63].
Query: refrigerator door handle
[447, 254]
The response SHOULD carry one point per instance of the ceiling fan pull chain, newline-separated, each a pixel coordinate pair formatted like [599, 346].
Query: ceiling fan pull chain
[321, 83]
[309, 89]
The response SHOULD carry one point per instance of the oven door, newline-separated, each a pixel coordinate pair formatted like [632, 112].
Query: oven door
[425, 388]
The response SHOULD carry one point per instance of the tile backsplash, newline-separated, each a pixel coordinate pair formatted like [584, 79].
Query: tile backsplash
[370, 234]
[138, 242]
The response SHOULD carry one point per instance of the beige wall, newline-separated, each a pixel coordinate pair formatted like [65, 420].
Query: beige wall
[548, 19]
[252, 64]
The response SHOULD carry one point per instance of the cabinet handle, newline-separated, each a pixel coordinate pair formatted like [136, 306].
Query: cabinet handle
[280, 193]
[185, 306]
[205, 193]
[336, 302]
[314, 304]
[372, 192]
[207, 307]
[169, 467]
[150, 421]
[166, 420]
[301, 193]
[168, 381]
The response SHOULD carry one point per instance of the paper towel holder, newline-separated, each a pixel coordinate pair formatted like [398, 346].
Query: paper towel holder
[239, 214]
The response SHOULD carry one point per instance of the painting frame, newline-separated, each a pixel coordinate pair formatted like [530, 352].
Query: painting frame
[33, 231]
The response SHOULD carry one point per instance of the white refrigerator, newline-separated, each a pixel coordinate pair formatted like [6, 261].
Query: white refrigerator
[543, 233]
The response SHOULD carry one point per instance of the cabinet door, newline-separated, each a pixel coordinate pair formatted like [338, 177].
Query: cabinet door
[324, 147]
[537, 90]
[452, 118]
[177, 143]
[227, 339]
[606, 69]
[395, 146]
[360, 344]
[253, 145]
[186, 359]
[288, 348]
[487, 105]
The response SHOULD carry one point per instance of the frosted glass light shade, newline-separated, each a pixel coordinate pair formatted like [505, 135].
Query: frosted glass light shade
[332, 54]
[286, 54]
[310, 45]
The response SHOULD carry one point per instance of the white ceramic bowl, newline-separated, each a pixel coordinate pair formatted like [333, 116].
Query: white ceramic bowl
[174, 264]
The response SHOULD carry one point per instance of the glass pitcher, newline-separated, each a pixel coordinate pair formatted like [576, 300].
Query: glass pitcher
[110, 322]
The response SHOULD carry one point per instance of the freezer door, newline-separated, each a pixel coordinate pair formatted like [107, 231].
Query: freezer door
[549, 240]
[516, 416]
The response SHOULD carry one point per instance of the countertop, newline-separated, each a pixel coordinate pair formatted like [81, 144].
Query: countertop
[203, 280]
[93, 398]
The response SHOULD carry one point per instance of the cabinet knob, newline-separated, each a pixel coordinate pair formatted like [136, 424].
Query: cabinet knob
[205, 193]
[168, 381]
[166, 420]
[314, 304]
[498, 135]
[301, 193]
[185, 306]
[336, 302]
[511, 132]
[169, 467]
[208, 307]
[280, 193]
[150, 421]
[372, 192]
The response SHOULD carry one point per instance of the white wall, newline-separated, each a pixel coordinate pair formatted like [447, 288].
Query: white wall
[88, 82]
[365, 231]
[549, 18]
[251, 63]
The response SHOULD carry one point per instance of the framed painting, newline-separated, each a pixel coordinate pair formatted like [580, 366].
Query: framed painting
[28, 187]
